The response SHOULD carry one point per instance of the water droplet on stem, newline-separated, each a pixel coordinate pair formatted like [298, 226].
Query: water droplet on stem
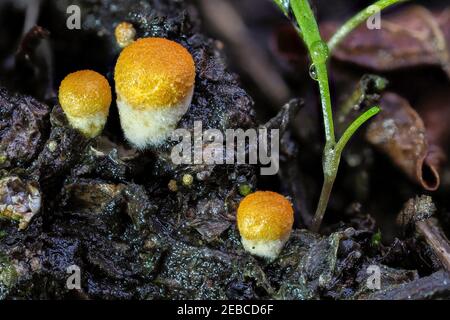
[313, 72]
[286, 4]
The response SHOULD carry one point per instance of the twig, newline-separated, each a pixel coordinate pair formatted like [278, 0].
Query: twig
[223, 17]
[31, 15]
[418, 213]
[436, 239]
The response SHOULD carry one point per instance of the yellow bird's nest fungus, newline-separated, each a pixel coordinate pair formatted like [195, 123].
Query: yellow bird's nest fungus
[154, 83]
[154, 73]
[265, 220]
[85, 97]
[84, 93]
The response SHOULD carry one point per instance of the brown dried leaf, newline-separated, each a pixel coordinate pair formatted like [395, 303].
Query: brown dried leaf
[411, 37]
[400, 133]
[434, 108]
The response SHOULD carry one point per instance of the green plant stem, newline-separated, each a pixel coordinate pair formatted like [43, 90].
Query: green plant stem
[327, 187]
[359, 18]
[319, 53]
[354, 127]
[307, 23]
[332, 158]
[322, 78]
[284, 6]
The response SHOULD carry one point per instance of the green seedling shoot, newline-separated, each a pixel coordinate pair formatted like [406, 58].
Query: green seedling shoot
[299, 11]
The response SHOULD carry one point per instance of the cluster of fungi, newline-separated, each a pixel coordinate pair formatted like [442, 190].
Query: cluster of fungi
[154, 84]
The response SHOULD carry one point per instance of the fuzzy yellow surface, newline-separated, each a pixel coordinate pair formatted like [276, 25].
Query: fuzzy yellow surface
[154, 73]
[124, 34]
[265, 215]
[85, 93]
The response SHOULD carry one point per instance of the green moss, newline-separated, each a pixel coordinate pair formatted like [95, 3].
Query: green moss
[245, 189]
[8, 276]
[376, 239]
[188, 180]
[3, 159]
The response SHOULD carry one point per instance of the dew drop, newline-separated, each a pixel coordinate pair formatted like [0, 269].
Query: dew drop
[313, 72]
[380, 83]
[286, 4]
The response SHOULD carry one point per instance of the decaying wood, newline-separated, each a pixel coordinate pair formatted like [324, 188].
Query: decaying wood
[434, 286]
[436, 239]
[418, 214]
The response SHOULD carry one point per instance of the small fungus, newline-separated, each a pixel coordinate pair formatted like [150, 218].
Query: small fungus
[124, 33]
[85, 97]
[154, 84]
[265, 220]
